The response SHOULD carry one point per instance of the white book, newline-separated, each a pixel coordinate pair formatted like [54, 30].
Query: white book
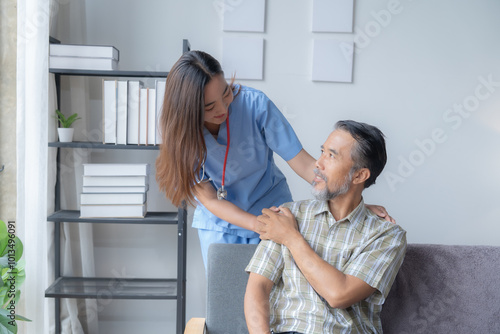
[116, 181]
[117, 169]
[143, 116]
[113, 211]
[117, 189]
[112, 198]
[121, 112]
[89, 51]
[160, 95]
[109, 111]
[151, 138]
[134, 87]
[81, 63]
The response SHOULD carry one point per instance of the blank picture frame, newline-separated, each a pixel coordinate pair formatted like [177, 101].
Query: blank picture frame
[244, 15]
[332, 60]
[333, 15]
[243, 57]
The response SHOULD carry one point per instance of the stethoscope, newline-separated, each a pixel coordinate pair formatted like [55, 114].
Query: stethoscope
[221, 192]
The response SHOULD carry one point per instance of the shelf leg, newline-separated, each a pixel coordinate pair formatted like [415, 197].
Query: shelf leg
[181, 269]
[58, 315]
[57, 272]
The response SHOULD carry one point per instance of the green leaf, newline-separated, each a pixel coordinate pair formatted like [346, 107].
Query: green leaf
[14, 247]
[6, 313]
[8, 245]
[72, 118]
[5, 323]
[60, 115]
[66, 122]
[5, 291]
[4, 262]
[15, 298]
[20, 317]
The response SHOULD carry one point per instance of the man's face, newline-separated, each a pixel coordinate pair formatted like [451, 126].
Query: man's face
[333, 177]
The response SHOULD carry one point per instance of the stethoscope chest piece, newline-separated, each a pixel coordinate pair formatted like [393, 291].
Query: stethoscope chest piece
[221, 193]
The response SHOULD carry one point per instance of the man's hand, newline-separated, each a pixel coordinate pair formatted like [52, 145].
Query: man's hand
[277, 224]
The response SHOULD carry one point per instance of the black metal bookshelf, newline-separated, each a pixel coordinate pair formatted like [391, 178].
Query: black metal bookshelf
[136, 288]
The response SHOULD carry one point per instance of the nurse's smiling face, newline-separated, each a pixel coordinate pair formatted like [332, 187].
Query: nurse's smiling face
[218, 97]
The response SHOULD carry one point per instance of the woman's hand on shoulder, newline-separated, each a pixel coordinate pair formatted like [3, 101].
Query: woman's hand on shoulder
[381, 212]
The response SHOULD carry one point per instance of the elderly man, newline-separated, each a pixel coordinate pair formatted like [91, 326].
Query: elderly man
[329, 263]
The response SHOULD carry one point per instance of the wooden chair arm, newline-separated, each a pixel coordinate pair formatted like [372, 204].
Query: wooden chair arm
[195, 326]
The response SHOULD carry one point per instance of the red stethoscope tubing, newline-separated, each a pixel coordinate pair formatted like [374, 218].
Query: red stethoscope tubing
[227, 151]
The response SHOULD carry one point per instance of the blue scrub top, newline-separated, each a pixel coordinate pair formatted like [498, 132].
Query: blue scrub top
[253, 181]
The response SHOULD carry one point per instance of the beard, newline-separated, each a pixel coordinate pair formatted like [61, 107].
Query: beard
[340, 188]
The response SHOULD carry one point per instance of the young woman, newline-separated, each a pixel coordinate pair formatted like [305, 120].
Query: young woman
[217, 150]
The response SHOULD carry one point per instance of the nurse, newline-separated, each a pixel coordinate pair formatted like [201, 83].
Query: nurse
[218, 141]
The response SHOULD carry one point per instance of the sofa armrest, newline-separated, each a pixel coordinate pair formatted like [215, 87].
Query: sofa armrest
[195, 326]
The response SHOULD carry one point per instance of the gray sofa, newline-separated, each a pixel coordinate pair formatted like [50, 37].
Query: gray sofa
[439, 289]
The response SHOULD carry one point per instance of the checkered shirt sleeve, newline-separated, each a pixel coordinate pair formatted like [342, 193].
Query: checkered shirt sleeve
[379, 262]
[267, 261]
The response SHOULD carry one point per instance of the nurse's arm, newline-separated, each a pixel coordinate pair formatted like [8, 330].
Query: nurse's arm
[303, 164]
[223, 209]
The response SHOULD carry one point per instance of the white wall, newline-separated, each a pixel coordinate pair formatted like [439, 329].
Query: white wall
[410, 70]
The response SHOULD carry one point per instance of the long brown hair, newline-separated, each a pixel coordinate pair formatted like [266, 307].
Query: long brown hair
[183, 149]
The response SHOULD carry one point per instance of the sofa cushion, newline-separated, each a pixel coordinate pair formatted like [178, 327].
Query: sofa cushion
[445, 289]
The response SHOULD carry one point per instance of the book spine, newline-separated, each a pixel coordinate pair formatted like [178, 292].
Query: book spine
[113, 198]
[117, 189]
[80, 63]
[121, 116]
[143, 117]
[115, 181]
[85, 51]
[133, 105]
[160, 94]
[152, 117]
[117, 169]
[109, 111]
[113, 211]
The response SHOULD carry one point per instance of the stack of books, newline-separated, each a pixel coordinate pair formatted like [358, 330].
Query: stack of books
[83, 57]
[114, 191]
[130, 112]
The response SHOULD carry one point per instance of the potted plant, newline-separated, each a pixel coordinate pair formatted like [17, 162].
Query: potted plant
[12, 271]
[65, 130]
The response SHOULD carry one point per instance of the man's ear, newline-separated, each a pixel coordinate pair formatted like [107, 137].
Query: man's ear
[361, 175]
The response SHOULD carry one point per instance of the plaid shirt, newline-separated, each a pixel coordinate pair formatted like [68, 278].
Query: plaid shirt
[361, 245]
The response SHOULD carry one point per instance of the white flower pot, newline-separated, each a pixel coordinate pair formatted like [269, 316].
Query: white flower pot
[65, 134]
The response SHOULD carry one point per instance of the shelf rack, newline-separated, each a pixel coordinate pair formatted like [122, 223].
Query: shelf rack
[130, 288]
